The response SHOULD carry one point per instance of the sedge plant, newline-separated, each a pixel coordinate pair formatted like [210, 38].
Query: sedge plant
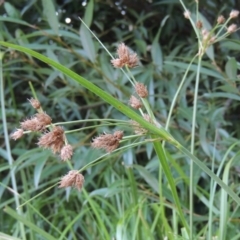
[144, 128]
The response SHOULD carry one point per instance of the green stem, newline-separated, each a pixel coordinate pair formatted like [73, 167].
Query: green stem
[8, 149]
[193, 145]
[164, 163]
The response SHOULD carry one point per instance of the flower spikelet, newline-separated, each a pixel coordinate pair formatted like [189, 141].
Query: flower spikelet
[135, 102]
[37, 122]
[66, 152]
[106, 141]
[138, 129]
[43, 119]
[31, 124]
[234, 14]
[17, 134]
[53, 140]
[141, 90]
[232, 28]
[187, 14]
[125, 57]
[35, 103]
[72, 179]
[220, 19]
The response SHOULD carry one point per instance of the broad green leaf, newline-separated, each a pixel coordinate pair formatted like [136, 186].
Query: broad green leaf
[38, 170]
[85, 35]
[11, 10]
[50, 13]
[231, 68]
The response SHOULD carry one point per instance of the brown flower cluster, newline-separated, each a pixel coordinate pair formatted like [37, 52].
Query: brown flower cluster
[109, 142]
[37, 123]
[138, 129]
[72, 179]
[54, 139]
[125, 57]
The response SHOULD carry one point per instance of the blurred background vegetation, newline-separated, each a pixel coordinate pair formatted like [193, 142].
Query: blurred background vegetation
[121, 195]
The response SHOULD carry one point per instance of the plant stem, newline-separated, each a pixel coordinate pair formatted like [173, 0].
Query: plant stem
[8, 149]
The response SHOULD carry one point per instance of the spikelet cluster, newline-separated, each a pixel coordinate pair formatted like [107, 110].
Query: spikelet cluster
[125, 57]
[72, 179]
[107, 141]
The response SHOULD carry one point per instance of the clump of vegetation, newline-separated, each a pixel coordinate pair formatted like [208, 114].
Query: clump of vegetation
[149, 142]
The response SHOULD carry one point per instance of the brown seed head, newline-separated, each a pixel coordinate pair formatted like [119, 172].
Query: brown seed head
[187, 14]
[43, 119]
[109, 142]
[66, 152]
[135, 102]
[199, 24]
[35, 103]
[17, 134]
[31, 125]
[141, 90]
[53, 140]
[72, 179]
[138, 129]
[220, 19]
[234, 14]
[125, 57]
[232, 28]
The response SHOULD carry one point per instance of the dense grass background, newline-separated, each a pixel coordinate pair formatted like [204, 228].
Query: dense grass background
[126, 195]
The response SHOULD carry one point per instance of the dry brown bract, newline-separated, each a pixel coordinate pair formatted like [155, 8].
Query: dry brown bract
[53, 140]
[109, 142]
[72, 179]
[125, 57]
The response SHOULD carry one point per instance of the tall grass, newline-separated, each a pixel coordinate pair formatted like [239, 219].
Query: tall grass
[172, 182]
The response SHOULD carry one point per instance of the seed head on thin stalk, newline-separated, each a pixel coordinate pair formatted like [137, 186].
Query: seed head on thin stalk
[17, 134]
[220, 19]
[37, 123]
[141, 90]
[106, 141]
[35, 103]
[72, 179]
[135, 102]
[138, 129]
[66, 152]
[187, 14]
[234, 14]
[232, 28]
[125, 57]
[53, 140]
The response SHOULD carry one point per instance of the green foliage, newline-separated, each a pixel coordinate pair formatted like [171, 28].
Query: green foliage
[141, 190]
